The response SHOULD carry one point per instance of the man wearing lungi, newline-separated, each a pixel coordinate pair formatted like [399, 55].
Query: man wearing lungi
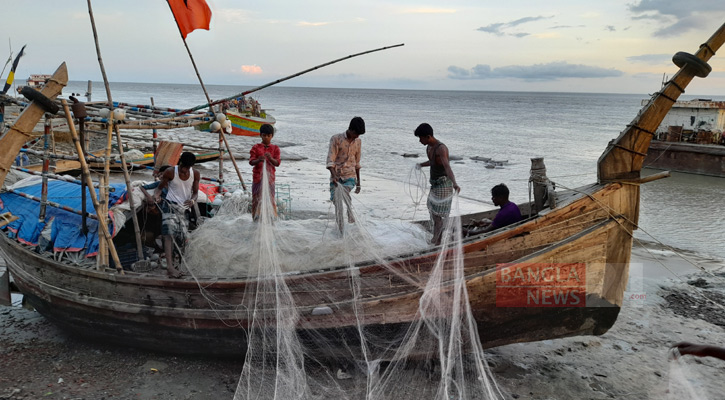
[343, 161]
[182, 182]
[442, 180]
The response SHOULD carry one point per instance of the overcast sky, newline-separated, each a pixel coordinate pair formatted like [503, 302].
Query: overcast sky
[611, 46]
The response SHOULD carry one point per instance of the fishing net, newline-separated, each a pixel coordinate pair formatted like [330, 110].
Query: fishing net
[342, 313]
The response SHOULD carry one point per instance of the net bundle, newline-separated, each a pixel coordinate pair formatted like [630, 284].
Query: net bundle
[334, 309]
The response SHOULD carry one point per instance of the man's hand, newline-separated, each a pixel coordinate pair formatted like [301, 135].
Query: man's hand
[157, 197]
[189, 203]
[357, 189]
[457, 188]
[418, 166]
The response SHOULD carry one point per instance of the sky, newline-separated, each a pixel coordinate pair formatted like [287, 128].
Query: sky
[599, 46]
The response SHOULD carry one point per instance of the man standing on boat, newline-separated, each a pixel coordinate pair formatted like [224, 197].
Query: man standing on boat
[442, 180]
[182, 182]
[343, 161]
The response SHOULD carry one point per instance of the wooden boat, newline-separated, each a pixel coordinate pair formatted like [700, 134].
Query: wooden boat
[590, 226]
[246, 118]
[36, 81]
[690, 139]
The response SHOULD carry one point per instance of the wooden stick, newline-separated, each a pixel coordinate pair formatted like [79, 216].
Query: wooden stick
[246, 92]
[87, 176]
[129, 191]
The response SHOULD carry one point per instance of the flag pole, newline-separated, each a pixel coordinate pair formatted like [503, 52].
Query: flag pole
[222, 138]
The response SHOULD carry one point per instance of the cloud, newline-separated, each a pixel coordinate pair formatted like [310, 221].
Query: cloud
[305, 23]
[538, 72]
[498, 28]
[251, 69]
[566, 26]
[652, 59]
[610, 28]
[682, 16]
[428, 10]
[233, 15]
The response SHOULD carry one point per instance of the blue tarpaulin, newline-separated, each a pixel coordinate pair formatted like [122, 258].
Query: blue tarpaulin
[66, 228]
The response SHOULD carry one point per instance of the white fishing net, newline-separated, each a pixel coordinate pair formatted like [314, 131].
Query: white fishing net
[342, 314]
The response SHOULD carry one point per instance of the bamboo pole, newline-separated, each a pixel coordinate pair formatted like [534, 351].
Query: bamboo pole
[50, 203]
[44, 174]
[129, 189]
[57, 177]
[154, 132]
[87, 176]
[210, 103]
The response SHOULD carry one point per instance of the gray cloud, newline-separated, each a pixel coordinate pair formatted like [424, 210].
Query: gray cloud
[652, 59]
[566, 26]
[610, 28]
[682, 16]
[499, 28]
[537, 72]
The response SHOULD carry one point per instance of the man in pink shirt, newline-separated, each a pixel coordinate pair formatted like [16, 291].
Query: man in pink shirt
[343, 162]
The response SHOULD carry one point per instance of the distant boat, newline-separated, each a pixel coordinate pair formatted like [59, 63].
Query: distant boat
[245, 116]
[690, 139]
[37, 81]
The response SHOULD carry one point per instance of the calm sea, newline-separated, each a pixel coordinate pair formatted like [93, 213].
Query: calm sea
[570, 130]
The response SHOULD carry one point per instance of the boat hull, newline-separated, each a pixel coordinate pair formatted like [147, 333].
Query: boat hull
[151, 311]
[702, 159]
[244, 124]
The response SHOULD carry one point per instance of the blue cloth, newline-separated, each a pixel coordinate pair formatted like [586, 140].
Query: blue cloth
[66, 229]
[349, 184]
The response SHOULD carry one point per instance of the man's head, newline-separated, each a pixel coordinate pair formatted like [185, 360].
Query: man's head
[266, 132]
[357, 126]
[187, 159]
[500, 194]
[424, 132]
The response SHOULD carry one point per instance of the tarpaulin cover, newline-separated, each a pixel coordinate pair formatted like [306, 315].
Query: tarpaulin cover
[66, 232]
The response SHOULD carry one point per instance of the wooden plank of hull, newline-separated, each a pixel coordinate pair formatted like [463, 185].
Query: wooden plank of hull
[687, 157]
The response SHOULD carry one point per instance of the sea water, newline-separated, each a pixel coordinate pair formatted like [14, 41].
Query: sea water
[570, 130]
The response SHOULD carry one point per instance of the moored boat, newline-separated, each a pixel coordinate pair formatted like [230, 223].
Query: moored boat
[245, 117]
[590, 226]
[690, 139]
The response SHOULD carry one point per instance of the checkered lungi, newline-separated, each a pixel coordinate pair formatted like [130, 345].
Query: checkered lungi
[440, 196]
[174, 221]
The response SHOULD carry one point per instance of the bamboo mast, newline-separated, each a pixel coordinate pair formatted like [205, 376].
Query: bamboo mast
[87, 176]
[129, 189]
[155, 134]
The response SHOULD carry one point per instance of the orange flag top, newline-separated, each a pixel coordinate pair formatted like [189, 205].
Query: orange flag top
[190, 15]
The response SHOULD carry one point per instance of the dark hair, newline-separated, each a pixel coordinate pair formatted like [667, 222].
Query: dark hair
[187, 159]
[500, 190]
[358, 125]
[423, 130]
[266, 129]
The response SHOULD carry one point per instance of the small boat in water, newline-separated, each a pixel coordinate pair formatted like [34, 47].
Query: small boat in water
[245, 117]
[691, 139]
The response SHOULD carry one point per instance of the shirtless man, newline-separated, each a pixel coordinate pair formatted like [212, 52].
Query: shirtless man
[442, 180]
[182, 182]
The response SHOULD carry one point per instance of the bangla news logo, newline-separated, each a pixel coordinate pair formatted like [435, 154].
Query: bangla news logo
[541, 285]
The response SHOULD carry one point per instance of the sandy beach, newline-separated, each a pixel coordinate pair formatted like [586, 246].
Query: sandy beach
[630, 361]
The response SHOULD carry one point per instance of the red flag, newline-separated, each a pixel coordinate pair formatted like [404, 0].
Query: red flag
[190, 15]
